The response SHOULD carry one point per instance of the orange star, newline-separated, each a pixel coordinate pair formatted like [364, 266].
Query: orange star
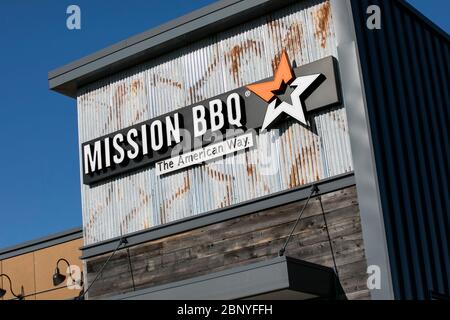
[283, 75]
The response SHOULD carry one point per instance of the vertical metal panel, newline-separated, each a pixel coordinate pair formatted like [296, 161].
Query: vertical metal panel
[406, 74]
[284, 159]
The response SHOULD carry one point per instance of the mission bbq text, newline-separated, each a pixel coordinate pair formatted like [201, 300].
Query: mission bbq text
[153, 140]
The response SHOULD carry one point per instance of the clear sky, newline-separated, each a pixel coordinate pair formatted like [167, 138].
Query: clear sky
[40, 189]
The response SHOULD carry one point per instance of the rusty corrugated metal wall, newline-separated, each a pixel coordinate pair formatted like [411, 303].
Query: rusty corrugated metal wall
[247, 53]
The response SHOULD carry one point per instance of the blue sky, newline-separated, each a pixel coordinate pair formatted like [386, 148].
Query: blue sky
[40, 189]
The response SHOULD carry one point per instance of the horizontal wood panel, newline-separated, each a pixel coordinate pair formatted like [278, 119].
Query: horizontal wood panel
[244, 240]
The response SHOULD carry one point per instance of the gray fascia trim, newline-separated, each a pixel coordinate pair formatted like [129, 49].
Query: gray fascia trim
[220, 215]
[41, 243]
[155, 42]
[241, 282]
[143, 36]
[372, 220]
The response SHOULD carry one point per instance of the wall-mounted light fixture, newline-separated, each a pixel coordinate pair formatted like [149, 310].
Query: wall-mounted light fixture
[3, 291]
[58, 277]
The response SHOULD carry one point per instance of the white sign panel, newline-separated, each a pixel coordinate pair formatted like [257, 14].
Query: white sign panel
[202, 155]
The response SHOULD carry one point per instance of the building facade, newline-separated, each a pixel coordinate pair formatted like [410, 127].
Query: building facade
[31, 268]
[322, 107]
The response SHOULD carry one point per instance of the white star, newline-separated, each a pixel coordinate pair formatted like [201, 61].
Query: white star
[295, 110]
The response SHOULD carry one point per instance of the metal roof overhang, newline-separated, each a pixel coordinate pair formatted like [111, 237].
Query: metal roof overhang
[41, 243]
[172, 35]
[278, 278]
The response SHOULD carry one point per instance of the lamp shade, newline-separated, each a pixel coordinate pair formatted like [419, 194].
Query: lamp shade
[58, 278]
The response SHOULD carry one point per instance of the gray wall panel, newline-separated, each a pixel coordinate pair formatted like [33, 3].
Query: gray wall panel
[405, 69]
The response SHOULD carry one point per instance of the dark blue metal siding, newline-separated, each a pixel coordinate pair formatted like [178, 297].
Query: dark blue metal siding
[406, 70]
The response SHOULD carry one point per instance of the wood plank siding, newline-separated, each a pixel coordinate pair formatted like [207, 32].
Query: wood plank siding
[244, 240]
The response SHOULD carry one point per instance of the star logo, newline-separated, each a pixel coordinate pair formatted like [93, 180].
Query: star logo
[286, 93]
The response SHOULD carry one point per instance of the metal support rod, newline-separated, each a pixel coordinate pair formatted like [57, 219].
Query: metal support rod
[314, 189]
[131, 269]
[337, 281]
[43, 291]
[329, 237]
[122, 241]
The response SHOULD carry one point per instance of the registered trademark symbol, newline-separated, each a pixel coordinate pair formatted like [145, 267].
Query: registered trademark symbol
[247, 93]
